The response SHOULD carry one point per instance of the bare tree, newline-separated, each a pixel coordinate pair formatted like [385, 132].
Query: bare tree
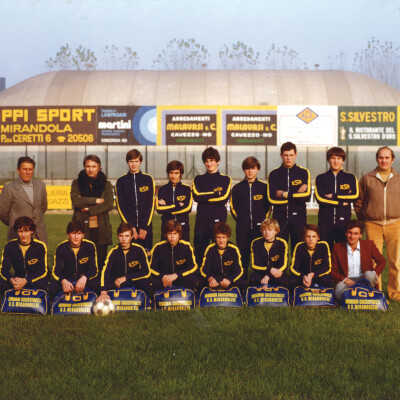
[337, 62]
[239, 56]
[283, 59]
[182, 55]
[81, 58]
[114, 58]
[380, 61]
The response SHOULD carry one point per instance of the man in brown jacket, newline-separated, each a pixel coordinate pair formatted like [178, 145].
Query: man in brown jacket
[378, 206]
[353, 259]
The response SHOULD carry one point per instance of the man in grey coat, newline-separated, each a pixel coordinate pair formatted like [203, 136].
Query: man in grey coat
[25, 197]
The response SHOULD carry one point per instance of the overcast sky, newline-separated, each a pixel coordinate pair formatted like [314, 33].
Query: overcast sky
[31, 31]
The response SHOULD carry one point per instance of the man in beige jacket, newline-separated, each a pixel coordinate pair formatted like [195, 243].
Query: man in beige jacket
[379, 207]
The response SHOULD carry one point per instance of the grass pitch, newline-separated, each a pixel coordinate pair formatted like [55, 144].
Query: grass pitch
[201, 354]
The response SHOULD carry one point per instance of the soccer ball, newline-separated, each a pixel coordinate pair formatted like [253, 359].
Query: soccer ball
[103, 307]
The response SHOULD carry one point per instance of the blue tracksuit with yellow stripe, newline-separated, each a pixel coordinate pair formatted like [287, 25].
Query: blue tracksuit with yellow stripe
[335, 210]
[211, 192]
[220, 266]
[291, 212]
[317, 261]
[32, 265]
[263, 260]
[249, 207]
[135, 203]
[166, 260]
[131, 263]
[178, 199]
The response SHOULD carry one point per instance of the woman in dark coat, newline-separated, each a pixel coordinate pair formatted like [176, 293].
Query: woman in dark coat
[92, 199]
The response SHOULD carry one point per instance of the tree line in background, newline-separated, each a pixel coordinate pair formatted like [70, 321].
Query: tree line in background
[380, 60]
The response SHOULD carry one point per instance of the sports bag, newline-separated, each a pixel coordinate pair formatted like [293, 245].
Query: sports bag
[211, 298]
[314, 297]
[174, 298]
[267, 296]
[25, 301]
[127, 300]
[74, 303]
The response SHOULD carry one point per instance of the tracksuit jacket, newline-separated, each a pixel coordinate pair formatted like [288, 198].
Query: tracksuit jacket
[289, 180]
[228, 265]
[32, 266]
[173, 196]
[166, 259]
[133, 265]
[344, 189]
[264, 260]
[249, 204]
[69, 266]
[211, 191]
[319, 262]
[135, 199]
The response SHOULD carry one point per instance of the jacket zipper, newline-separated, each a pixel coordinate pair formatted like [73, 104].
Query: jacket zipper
[136, 198]
[172, 260]
[251, 210]
[288, 186]
[173, 198]
[334, 208]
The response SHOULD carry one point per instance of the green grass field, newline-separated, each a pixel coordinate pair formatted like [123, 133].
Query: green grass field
[200, 354]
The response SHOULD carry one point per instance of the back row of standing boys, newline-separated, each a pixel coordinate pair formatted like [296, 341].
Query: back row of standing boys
[222, 263]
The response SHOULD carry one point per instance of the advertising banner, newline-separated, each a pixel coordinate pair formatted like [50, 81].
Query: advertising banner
[192, 125]
[64, 125]
[367, 126]
[307, 125]
[127, 125]
[58, 197]
[249, 126]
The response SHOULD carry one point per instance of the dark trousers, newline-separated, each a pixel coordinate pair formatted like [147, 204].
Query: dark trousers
[188, 282]
[324, 281]
[241, 283]
[292, 226]
[202, 238]
[92, 284]
[40, 284]
[244, 237]
[332, 233]
[256, 276]
[147, 243]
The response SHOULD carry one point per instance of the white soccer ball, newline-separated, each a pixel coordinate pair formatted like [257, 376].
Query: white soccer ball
[105, 307]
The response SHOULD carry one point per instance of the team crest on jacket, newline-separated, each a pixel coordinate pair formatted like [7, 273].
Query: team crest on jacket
[345, 186]
[218, 189]
[143, 189]
[258, 197]
[180, 262]
[133, 263]
[181, 198]
[296, 182]
[275, 258]
[228, 262]
[83, 260]
[319, 261]
[32, 261]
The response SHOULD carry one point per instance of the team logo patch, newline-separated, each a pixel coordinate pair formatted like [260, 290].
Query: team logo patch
[133, 263]
[345, 186]
[318, 262]
[307, 115]
[143, 189]
[84, 260]
[275, 258]
[33, 261]
[181, 198]
[228, 262]
[258, 197]
[218, 189]
[296, 182]
[180, 262]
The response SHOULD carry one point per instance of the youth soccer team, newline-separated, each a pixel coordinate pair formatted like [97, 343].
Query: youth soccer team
[261, 241]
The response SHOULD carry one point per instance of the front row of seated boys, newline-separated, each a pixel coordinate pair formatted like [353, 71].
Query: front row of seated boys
[173, 262]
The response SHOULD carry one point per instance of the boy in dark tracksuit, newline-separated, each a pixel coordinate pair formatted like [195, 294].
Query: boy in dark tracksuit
[172, 260]
[126, 265]
[211, 191]
[75, 263]
[222, 267]
[335, 190]
[174, 200]
[28, 258]
[249, 206]
[289, 189]
[311, 261]
[269, 256]
[135, 200]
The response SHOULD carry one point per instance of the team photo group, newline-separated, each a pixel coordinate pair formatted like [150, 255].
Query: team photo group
[275, 246]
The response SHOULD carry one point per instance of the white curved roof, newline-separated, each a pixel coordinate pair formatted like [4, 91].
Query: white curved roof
[221, 87]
